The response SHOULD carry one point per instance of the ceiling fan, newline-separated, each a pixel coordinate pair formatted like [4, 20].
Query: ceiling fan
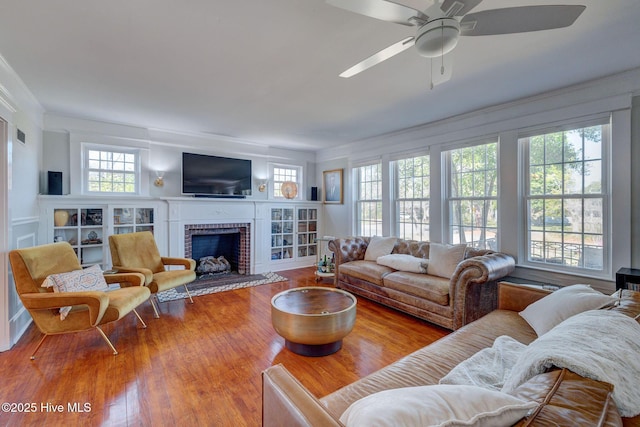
[442, 23]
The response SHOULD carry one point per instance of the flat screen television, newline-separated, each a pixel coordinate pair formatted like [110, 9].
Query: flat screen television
[213, 176]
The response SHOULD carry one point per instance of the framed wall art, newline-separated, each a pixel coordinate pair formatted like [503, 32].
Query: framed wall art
[332, 189]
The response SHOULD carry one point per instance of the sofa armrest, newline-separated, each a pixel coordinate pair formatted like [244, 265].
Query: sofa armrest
[286, 402]
[517, 297]
[348, 248]
[473, 288]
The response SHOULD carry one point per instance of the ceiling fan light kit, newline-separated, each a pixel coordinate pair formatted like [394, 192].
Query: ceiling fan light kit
[437, 37]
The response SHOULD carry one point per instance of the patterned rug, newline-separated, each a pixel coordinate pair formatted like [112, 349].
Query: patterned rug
[220, 284]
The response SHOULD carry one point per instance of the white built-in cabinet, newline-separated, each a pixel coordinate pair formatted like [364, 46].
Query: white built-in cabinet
[294, 229]
[86, 227]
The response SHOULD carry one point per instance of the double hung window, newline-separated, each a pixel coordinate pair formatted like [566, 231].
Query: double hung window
[369, 200]
[472, 195]
[412, 197]
[566, 196]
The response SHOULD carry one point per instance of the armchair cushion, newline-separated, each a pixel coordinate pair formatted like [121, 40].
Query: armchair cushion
[89, 279]
[170, 279]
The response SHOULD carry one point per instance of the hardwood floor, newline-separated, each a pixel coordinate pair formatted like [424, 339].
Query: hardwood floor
[198, 364]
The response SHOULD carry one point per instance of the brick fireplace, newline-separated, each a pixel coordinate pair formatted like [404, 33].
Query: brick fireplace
[232, 240]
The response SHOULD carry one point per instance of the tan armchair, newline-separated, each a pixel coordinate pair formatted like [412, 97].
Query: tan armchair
[138, 252]
[31, 266]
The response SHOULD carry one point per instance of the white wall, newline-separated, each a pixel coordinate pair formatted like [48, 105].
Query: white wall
[64, 136]
[337, 218]
[18, 197]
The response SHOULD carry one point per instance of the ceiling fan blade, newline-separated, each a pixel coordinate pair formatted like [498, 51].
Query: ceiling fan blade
[377, 58]
[385, 10]
[519, 19]
[453, 8]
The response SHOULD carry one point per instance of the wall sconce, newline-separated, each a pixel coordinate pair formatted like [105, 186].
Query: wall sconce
[262, 187]
[159, 182]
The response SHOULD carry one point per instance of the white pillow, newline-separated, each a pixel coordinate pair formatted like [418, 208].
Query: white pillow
[89, 279]
[379, 246]
[437, 405]
[551, 310]
[404, 262]
[443, 259]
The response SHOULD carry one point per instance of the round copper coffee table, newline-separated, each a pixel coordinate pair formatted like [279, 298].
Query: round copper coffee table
[313, 320]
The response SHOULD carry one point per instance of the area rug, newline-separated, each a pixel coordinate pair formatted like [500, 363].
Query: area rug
[220, 284]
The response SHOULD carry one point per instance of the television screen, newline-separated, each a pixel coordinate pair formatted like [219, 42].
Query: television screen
[204, 175]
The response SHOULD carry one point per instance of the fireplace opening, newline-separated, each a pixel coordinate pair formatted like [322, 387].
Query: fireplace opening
[217, 245]
[215, 254]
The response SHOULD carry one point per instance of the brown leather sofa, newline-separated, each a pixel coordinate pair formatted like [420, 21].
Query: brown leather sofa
[565, 398]
[469, 294]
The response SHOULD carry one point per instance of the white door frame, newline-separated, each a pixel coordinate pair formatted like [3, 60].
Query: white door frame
[5, 229]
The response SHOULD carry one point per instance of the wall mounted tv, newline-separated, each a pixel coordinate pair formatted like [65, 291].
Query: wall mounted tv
[213, 176]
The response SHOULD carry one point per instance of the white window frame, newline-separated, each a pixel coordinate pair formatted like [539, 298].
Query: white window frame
[416, 226]
[274, 192]
[604, 196]
[362, 203]
[86, 148]
[449, 200]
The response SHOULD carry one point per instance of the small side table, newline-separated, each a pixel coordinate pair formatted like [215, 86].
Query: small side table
[326, 270]
[628, 278]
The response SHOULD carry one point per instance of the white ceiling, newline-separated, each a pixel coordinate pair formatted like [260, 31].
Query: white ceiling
[267, 71]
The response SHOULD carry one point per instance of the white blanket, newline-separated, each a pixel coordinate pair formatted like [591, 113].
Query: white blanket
[600, 344]
[489, 367]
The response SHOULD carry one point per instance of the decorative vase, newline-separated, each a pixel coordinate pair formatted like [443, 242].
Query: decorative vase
[60, 218]
[289, 189]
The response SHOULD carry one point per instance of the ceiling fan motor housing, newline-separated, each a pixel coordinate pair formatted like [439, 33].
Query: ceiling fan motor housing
[437, 37]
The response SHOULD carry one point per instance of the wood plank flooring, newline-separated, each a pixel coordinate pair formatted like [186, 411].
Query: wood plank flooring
[199, 364]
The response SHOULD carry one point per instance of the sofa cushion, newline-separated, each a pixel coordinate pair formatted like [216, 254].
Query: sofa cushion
[404, 262]
[443, 259]
[543, 315]
[437, 405]
[379, 246]
[365, 270]
[424, 286]
[567, 398]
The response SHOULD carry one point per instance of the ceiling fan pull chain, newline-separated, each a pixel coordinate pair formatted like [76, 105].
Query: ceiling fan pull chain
[442, 48]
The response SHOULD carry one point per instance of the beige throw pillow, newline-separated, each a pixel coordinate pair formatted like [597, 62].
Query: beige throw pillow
[544, 314]
[437, 405]
[379, 246]
[443, 259]
[89, 279]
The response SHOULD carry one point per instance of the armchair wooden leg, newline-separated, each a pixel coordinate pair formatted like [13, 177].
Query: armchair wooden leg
[144, 325]
[107, 340]
[155, 309]
[188, 294]
[33, 355]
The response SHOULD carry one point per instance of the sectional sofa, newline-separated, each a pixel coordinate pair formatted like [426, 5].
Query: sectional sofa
[555, 396]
